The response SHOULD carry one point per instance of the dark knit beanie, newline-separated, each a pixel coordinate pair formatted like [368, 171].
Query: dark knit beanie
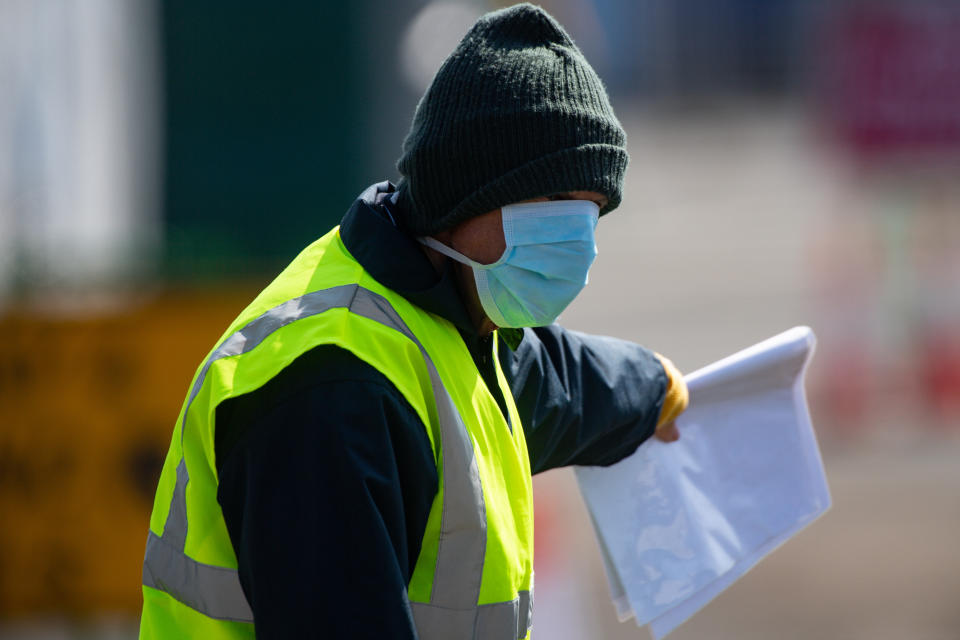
[515, 112]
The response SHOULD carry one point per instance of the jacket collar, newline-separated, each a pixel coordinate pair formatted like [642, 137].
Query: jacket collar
[395, 260]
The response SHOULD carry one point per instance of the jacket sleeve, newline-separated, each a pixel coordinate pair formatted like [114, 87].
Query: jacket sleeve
[326, 477]
[583, 399]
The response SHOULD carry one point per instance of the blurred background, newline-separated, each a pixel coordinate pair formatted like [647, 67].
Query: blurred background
[792, 162]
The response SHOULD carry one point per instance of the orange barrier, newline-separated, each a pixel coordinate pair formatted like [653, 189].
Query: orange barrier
[87, 407]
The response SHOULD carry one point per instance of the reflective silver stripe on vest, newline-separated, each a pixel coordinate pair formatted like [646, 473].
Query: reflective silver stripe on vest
[494, 621]
[453, 611]
[211, 590]
[214, 591]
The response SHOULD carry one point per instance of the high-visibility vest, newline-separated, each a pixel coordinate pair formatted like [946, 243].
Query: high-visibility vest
[474, 575]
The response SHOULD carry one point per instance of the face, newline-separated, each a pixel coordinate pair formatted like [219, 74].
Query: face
[481, 239]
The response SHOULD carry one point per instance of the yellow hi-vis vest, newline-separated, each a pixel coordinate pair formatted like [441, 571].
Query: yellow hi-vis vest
[474, 575]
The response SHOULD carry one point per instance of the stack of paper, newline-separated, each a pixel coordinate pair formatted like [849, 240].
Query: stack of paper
[679, 522]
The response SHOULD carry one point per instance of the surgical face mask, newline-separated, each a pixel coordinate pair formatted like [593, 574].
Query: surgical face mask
[550, 247]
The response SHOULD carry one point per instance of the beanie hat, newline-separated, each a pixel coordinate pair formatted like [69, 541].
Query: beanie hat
[515, 112]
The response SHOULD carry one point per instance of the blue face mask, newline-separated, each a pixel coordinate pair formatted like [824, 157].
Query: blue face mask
[550, 247]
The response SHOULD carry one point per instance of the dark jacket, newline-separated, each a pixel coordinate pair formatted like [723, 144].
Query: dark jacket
[326, 474]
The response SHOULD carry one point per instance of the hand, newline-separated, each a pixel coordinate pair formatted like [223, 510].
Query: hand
[667, 432]
[674, 402]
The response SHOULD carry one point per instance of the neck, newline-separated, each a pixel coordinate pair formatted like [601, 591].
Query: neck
[466, 286]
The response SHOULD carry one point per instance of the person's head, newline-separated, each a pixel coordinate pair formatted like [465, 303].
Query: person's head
[514, 115]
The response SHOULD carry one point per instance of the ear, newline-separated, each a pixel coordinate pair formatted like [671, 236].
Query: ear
[480, 238]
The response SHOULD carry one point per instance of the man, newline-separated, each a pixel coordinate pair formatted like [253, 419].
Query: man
[354, 458]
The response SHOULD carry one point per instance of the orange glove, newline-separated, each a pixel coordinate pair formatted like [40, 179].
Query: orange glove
[674, 402]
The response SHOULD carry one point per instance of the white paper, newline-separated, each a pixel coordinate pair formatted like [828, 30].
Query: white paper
[679, 522]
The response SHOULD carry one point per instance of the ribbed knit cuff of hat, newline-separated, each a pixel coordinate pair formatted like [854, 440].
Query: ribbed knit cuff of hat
[589, 167]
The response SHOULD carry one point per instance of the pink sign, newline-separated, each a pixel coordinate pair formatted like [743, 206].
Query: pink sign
[894, 77]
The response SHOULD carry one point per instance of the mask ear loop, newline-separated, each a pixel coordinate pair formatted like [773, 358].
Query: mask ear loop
[450, 252]
[479, 275]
